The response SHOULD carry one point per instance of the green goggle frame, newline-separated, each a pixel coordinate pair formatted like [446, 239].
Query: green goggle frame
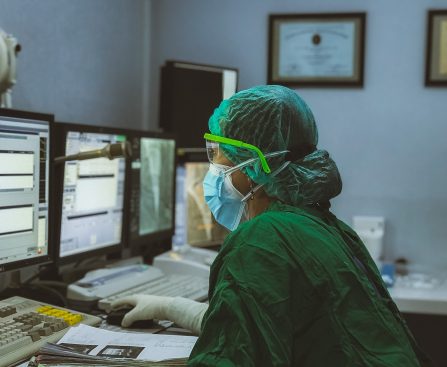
[240, 144]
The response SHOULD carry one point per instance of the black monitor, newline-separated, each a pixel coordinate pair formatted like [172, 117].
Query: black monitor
[152, 191]
[89, 194]
[194, 222]
[189, 93]
[25, 157]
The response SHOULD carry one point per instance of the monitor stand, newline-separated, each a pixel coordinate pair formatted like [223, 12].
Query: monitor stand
[12, 285]
[5, 281]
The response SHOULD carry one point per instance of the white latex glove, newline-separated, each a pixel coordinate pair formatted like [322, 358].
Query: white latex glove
[184, 312]
[146, 307]
[187, 313]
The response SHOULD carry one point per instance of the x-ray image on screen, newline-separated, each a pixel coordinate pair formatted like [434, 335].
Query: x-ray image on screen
[201, 227]
[156, 184]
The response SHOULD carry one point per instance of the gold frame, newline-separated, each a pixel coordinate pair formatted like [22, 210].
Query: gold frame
[436, 55]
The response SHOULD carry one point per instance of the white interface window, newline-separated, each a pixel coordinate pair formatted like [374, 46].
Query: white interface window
[92, 207]
[156, 185]
[24, 168]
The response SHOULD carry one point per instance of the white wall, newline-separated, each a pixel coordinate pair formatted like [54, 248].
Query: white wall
[84, 60]
[388, 138]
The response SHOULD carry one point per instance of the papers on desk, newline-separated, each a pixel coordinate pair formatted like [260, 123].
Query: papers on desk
[87, 346]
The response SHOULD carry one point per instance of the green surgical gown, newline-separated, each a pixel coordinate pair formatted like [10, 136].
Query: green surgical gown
[296, 287]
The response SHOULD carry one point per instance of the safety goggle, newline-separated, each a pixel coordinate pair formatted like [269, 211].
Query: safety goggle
[213, 150]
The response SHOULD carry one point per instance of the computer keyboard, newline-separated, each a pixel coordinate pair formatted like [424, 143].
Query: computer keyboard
[26, 325]
[174, 285]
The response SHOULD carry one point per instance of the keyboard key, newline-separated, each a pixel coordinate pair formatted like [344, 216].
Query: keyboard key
[45, 331]
[34, 335]
[6, 311]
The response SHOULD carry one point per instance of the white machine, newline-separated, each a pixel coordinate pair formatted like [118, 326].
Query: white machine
[371, 231]
[9, 48]
[186, 260]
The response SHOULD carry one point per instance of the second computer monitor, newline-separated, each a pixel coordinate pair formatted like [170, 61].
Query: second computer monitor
[91, 193]
[152, 189]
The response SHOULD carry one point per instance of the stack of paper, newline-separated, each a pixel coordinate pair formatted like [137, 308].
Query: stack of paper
[88, 346]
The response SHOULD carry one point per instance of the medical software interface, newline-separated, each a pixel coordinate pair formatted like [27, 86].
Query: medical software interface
[152, 192]
[92, 206]
[24, 169]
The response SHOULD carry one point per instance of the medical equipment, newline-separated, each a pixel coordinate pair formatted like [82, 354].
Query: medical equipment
[9, 48]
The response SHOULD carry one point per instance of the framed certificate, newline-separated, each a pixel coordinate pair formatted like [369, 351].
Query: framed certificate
[436, 56]
[315, 50]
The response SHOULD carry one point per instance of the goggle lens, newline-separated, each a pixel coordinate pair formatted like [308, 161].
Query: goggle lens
[212, 150]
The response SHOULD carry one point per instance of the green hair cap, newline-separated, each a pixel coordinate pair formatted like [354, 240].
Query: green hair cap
[274, 118]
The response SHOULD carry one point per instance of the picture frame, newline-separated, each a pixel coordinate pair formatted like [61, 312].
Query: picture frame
[436, 50]
[316, 50]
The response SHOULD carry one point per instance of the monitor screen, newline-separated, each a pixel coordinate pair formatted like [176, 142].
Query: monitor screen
[24, 188]
[194, 224]
[152, 187]
[189, 93]
[92, 195]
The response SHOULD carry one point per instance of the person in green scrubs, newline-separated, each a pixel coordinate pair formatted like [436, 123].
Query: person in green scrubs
[292, 285]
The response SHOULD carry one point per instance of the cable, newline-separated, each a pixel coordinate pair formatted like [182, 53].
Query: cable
[30, 279]
[50, 283]
[96, 261]
[50, 290]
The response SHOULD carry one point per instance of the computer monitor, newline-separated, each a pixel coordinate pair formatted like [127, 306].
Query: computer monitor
[24, 188]
[152, 190]
[195, 225]
[189, 93]
[89, 193]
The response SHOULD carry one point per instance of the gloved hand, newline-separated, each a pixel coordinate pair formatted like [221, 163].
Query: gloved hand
[184, 312]
[146, 307]
[187, 313]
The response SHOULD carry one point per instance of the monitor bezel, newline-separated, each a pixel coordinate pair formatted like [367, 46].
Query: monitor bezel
[49, 258]
[60, 133]
[162, 240]
[217, 68]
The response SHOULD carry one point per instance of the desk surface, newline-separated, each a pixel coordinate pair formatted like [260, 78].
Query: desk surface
[422, 299]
